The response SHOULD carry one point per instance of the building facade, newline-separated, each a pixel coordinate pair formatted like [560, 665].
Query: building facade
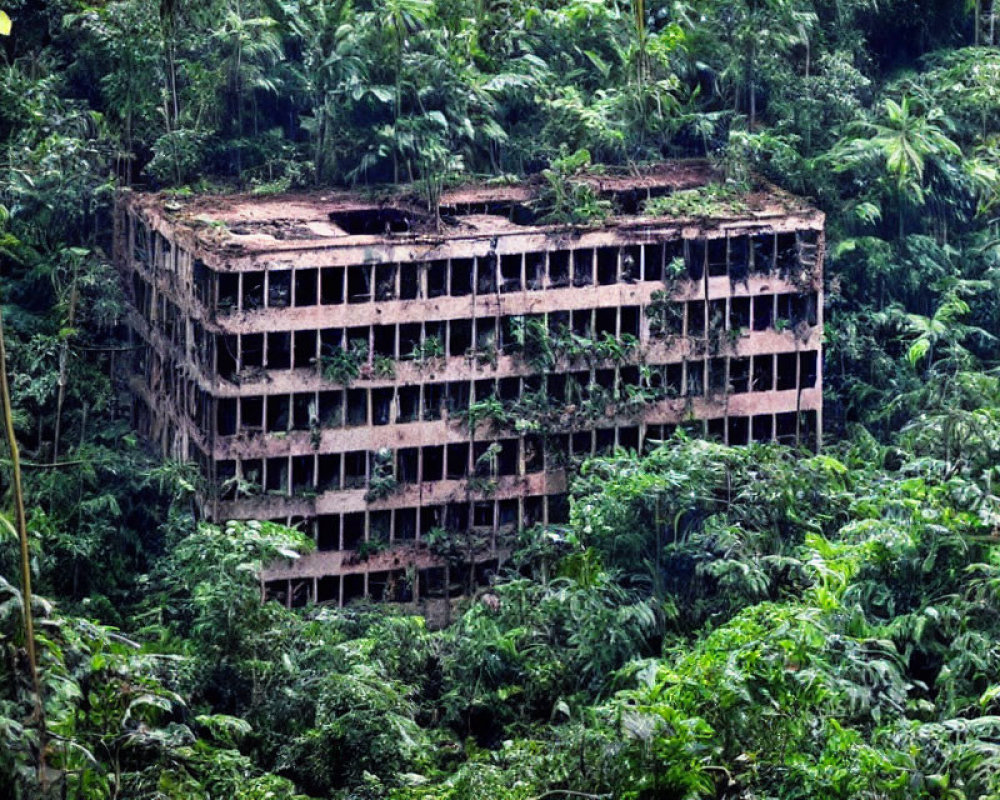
[412, 395]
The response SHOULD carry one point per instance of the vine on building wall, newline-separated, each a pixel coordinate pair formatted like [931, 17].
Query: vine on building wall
[382, 481]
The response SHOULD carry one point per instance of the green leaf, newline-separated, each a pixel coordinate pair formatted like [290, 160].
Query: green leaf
[917, 351]
[5, 24]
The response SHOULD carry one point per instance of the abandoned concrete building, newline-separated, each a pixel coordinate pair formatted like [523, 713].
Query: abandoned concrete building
[413, 394]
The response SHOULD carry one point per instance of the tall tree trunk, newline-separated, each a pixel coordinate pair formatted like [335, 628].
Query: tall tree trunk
[64, 367]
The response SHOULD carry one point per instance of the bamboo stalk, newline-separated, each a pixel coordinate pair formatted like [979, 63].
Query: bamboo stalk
[22, 533]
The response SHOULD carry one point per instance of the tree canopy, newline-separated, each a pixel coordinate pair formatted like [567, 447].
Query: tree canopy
[712, 622]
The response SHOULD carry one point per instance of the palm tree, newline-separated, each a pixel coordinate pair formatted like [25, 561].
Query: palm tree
[330, 70]
[399, 19]
[904, 142]
[944, 329]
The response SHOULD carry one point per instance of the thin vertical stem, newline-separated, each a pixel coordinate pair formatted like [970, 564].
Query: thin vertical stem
[22, 532]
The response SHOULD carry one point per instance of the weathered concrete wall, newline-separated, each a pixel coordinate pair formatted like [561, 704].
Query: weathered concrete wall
[238, 327]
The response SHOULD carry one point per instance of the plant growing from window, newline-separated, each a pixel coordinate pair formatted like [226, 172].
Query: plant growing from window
[430, 349]
[382, 482]
[616, 348]
[666, 316]
[240, 487]
[482, 486]
[533, 343]
[596, 403]
[371, 547]
[385, 367]
[533, 412]
[341, 366]
[488, 463]
[489, 409]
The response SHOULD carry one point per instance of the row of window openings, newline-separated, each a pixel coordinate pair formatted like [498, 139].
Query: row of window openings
[792, 428]
[168, 319]
[735, 256]
[461, 337]
[318, 473]
[402, 525]
[163, 376]
[381, 586]
[163, 379]
[310, 411]
[297, 475]
[155, 252]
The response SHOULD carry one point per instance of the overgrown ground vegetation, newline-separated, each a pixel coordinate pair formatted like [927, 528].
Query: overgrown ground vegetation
[732, 623]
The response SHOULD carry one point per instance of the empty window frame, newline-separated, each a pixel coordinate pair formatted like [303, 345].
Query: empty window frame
[739, 375]
[787, 252]
[762, 250]
[382, 406]
[331, 287]
[355, 469]
[252, 351]
[279, 350]
[432, 463]
[737, 431]
[461, 277]
[694, 258]
[385, 281]
[762, 428]
[739, 259]
[739, 313]
[762, 373]
[534, 271]
[808, 369]
[359, 284]
[278, 413]
[279, 288]
[763, 312]
[437, 279]
[407, 404]
[583, 268]
[695, 371]
[410, 281]
[225, 416]
[252, 291]
[304, 353]
[607, 266]
[559, 269]
[510, 273]
[357, 407]
[303, 474]
[306, 287]
[717, 257]
[787, 371]
[228, 288]
[695, 326]
[304, 411]
[457, 461]
[486, 273]
[328, 532]
[331, 409]
[328, 472]
[277, 475]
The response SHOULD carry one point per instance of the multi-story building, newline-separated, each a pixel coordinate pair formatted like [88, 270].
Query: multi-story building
[412, 394]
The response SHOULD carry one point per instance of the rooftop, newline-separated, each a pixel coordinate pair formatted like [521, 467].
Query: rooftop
[678, 192]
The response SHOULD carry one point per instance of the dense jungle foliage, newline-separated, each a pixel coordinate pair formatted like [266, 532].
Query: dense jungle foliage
[721, 623]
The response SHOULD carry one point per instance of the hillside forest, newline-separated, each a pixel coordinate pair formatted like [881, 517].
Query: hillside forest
[742, 623]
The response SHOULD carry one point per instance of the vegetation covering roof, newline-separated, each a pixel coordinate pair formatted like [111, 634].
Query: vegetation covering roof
[678, 192]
